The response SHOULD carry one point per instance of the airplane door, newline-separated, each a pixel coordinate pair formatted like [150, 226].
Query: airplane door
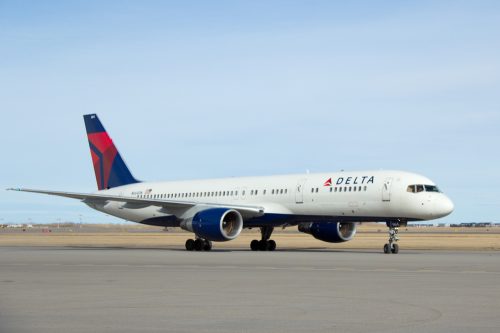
[299, 191]
[386, 190]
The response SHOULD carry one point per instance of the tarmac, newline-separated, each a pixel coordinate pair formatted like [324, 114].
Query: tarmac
[83, 289]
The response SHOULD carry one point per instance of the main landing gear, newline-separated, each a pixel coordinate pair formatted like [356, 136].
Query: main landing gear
[265, 244]
[392, 246]
[198, 244]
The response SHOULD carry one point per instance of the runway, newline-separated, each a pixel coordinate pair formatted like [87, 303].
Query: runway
[71, 289]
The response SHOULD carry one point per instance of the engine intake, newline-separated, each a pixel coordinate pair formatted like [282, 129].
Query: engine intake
[331, 232]
[215, 224]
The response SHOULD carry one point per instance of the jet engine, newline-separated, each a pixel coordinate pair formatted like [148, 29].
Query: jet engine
[331, 232]
[215, 224]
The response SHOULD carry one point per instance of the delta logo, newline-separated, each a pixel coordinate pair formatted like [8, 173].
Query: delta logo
[354, 180]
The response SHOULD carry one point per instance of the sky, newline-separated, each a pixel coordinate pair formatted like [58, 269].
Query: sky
[202, 89]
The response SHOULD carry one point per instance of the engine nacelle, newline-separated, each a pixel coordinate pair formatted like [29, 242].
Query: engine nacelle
[331, 232]
[215, 224]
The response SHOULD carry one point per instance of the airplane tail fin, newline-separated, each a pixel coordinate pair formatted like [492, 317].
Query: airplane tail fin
[110, 169]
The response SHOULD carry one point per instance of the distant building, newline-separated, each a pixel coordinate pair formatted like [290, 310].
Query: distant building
[474, 225]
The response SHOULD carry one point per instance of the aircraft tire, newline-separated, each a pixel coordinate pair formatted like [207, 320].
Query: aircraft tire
[271, 245]
[207, 246]
[254, 245]
[199, 244]
[263, 245]
[190, 244]
[395, 248]
[387, 249]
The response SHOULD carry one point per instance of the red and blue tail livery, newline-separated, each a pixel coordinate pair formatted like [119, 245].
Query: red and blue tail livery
[110, 169]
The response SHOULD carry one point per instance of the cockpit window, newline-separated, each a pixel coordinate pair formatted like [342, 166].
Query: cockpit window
[420, 188]
[431, 188]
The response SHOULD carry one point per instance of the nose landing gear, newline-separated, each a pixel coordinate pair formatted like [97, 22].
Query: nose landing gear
[392, 246]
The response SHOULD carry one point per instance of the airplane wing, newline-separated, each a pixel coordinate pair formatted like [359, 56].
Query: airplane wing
[141, 203]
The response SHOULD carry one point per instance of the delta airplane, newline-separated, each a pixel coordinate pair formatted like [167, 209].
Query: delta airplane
[325, 205]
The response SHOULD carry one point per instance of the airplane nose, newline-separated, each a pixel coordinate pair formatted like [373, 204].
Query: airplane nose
[445, 207]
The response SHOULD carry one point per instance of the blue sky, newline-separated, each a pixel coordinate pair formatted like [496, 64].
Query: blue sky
[198, 89]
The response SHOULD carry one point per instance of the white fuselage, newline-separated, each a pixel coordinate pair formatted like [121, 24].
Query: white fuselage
[341, 196]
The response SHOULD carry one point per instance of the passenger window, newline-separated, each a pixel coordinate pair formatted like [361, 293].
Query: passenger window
[317, 190]
[281, 191]
[359, 189]
[264, 192]
[350, 188]
[272, 192]
[335, 189]
[256, 192]
[285, 191]
[312, 190]
[331, 189]
[354, 188]
[365, 188]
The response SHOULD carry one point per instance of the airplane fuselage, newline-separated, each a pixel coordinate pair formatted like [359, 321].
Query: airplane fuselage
[290, 199]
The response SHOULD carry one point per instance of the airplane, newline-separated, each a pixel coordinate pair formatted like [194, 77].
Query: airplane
[327, 206]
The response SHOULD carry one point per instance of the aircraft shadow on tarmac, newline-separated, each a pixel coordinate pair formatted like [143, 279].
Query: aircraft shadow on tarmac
[301, 250]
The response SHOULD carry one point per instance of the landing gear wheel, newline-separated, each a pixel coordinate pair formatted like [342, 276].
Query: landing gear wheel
[190, 244]
[392, 246]
[199, 244]
[207, 246]
[263, 245]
